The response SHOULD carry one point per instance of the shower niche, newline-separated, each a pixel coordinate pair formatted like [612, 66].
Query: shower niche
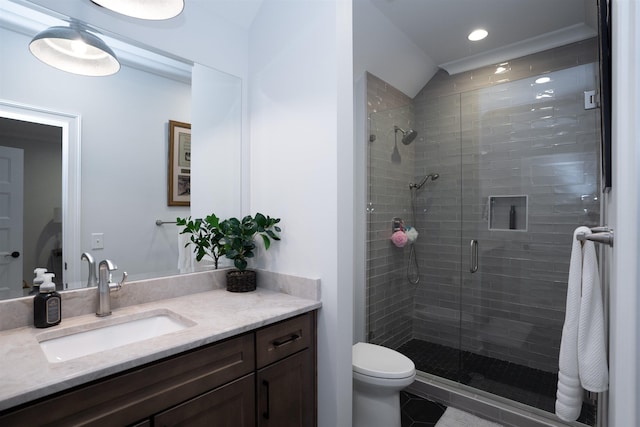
[508, 213]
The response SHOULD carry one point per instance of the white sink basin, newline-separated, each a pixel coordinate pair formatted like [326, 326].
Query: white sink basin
[77, 341]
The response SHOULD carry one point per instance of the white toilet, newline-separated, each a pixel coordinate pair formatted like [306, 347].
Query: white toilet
[379, 374]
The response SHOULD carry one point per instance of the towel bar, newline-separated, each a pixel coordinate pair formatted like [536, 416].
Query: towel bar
[600, 235]
[160, 222]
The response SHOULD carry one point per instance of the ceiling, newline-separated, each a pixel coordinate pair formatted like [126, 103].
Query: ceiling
[440, 27]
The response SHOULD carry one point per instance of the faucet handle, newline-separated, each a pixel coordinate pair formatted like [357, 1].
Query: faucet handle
[116, 286]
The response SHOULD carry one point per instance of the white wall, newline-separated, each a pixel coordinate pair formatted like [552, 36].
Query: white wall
[301, 153]
[383, 50]
[216, 144]
[625, 218]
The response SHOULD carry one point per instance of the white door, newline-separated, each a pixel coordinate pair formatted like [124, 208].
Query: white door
[11, 202]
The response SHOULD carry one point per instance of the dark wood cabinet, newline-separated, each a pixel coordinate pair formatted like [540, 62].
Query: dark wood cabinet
[286, 392]
[231, 405]
[286, 378]
[232, 383]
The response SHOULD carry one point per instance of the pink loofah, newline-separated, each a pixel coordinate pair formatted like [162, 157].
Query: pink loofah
[399, 238]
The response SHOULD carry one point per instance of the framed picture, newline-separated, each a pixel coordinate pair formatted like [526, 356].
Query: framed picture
[179, 164]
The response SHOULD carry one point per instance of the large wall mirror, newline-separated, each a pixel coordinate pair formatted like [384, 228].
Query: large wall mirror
[93, 156]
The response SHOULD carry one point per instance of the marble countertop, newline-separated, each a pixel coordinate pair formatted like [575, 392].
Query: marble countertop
[26, 374]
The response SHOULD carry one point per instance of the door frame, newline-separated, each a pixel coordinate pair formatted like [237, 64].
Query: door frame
[71, 132]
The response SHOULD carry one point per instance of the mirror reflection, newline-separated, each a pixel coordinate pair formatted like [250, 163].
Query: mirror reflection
[95, 163]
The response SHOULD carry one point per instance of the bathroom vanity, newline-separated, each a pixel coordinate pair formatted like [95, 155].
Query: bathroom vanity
[241, 360]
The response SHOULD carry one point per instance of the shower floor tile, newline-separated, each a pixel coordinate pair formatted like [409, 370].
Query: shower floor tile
[522, 384]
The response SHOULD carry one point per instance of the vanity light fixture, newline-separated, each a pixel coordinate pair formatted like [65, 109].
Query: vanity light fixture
[74, 50]
[477, 35]
[155, 10]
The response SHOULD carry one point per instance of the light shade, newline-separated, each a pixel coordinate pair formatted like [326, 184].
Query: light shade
[74, 50]
[144, 9]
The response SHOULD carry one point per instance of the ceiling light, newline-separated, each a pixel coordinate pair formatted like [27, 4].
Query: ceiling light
[74, 50]
[478, 34]
[144, 9]
[541, 80]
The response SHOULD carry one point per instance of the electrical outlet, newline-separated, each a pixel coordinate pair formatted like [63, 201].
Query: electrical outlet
[97, 240]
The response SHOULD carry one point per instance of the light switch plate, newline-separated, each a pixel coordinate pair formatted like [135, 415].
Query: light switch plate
[97, 240]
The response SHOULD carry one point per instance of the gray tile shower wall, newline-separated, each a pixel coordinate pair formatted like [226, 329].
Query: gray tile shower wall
[390, 169]
[485, 134]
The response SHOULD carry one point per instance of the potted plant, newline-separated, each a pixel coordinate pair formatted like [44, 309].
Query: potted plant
[239, 245]
[206, 236]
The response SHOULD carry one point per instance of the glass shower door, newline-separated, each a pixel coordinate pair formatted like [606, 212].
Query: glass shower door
[529, 178]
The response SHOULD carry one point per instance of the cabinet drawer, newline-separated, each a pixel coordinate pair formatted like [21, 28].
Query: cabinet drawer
[283, 339]
[232, 405]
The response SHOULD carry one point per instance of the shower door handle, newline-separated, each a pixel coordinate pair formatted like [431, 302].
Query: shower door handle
[473, 256]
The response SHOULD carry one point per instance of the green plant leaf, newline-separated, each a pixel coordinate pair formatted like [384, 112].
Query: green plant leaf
[240, 264]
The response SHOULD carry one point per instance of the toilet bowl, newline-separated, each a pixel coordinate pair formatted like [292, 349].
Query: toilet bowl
[379, 374]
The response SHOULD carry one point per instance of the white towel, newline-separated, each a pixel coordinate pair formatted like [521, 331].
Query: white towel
[582, 360]
[592, 354]
[185, 254]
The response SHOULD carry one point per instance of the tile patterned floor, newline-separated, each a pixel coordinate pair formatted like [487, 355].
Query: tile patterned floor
[530, 386]
[418, 412]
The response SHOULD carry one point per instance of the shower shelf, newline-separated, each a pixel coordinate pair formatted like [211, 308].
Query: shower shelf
[508, 213]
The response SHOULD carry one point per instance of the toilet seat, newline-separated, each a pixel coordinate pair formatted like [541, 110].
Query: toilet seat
[381, 362]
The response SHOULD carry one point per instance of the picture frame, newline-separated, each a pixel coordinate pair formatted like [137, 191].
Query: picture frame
[179, 164]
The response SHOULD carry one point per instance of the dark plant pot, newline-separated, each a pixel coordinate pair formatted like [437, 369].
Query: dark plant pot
[241, 281]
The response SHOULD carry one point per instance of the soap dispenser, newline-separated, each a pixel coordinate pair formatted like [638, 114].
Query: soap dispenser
[37, 280]
[47, 305]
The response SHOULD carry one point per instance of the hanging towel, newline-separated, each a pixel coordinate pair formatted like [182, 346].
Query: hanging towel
[185, 254]
[592, 354]
[582, 362]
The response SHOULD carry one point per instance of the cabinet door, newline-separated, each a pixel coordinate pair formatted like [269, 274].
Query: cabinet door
[232, 405]
[286, 392]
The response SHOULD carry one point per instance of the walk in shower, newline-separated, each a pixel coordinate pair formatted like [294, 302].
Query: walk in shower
[516, 158]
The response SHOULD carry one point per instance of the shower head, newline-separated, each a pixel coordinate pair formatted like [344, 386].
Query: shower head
[433, 177]
[407, 135]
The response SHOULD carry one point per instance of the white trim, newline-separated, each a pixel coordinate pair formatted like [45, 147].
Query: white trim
[625, 216]
[572, 34]
[71, 126]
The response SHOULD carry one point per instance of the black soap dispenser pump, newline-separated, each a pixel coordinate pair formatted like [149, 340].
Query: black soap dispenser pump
[47, 305]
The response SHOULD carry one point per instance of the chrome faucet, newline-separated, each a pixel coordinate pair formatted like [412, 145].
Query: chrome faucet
[106, 286]
[92, 280]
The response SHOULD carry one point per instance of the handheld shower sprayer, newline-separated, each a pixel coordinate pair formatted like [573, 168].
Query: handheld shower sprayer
[433, 177]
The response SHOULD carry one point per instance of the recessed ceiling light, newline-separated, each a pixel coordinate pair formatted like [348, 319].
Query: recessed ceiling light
[478, 34]
[541, 80]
